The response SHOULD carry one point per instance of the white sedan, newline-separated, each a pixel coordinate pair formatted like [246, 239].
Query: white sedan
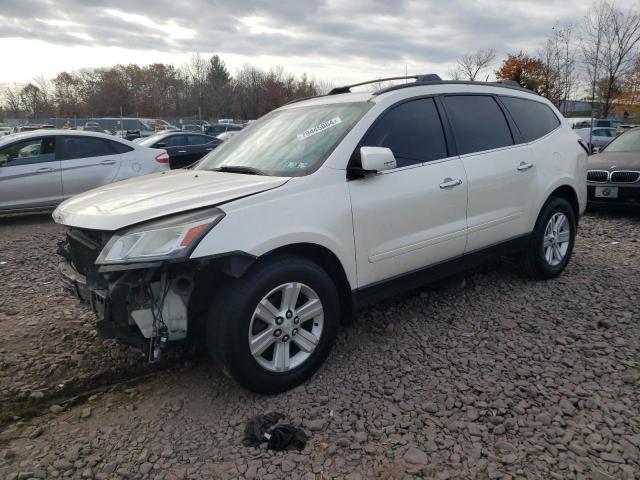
[40, 169]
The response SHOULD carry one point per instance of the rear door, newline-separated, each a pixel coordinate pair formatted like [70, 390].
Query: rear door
[87, 162]
[29, 174]
[197, 147]
[176, 147]
[500, 173]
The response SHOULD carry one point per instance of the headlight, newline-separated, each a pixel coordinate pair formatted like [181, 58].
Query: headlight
[172, 237]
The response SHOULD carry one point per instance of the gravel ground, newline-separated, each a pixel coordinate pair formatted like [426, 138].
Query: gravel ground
[486, 375]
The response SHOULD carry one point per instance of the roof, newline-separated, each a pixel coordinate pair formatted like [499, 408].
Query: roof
[60, 131]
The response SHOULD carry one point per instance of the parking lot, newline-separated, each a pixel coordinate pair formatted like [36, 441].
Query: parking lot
[486, 375]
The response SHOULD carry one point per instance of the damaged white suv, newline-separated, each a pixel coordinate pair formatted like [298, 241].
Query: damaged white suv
[318, 208]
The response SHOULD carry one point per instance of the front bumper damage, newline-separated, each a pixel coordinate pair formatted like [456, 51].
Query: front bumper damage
[148, 305]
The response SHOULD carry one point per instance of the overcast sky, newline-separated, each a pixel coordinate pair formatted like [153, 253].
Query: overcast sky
[340, 40]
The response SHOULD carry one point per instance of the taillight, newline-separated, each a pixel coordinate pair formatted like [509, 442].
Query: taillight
[162, 157]
[584, 145]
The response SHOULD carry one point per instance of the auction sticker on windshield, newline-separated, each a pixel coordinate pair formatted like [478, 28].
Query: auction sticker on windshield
[319, 128]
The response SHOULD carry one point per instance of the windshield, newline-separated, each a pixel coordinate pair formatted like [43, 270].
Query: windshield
[291, 142]
[627, 142]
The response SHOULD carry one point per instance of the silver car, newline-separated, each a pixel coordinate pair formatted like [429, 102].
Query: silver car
[600, 138]
[42, 168]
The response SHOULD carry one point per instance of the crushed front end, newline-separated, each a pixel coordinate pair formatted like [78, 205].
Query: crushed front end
[142, 304]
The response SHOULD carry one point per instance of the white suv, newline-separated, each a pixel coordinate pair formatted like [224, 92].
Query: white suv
[320, 207]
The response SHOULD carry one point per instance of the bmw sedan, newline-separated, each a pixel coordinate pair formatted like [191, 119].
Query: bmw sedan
[613, 178]
[42, 168]
[184, 149]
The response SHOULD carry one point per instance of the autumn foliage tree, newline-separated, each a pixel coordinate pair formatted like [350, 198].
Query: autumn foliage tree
[528, 72]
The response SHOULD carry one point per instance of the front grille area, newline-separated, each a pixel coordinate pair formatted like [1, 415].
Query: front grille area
[625, 177]
[597, 176]
[84, 248]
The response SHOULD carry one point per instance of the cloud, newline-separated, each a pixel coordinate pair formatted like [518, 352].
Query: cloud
[374, 32]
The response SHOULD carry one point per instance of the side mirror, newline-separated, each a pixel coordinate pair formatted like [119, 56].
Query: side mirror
[377, 159]
[161, 145]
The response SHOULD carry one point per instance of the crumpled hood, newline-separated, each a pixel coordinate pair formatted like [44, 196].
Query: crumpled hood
[136, 200]
[614, 161]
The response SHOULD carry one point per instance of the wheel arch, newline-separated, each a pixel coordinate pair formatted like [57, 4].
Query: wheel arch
[570, 195]
[327, 260]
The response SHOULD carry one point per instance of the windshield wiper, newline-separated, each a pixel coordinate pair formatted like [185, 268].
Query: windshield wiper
[239, 169]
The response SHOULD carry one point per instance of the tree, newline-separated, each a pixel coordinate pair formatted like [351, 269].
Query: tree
[470, 65]
[527, 71]
[621, 38]
[558, 58]
[610, 39]
[218, 87]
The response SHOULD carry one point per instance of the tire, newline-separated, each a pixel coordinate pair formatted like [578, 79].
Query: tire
[234, 320]
[535, 259]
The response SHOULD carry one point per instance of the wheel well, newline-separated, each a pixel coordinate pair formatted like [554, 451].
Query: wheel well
[569, 194]
[326, 259]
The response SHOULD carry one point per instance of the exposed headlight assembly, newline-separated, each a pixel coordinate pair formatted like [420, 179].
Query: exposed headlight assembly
[167, 238]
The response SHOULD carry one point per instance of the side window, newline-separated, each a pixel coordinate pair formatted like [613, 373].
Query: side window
[534, 119]
[478, 123]
[412, 130]
[118, 147]
[175, 141]
[83, 147]
[35, 150]
[196, 140]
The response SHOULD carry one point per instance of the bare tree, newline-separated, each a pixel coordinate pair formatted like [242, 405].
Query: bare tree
[595, 25]
[471, 64]
[558, 58]
[621, 38]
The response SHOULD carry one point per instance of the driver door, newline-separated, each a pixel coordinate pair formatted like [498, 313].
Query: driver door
[30, 174]
[412, 216]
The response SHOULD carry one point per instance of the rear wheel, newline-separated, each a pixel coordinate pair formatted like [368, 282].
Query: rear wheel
[552, 241]
[274, 327]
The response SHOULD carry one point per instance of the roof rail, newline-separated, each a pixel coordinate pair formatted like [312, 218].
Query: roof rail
[502, 83]
[429, 77]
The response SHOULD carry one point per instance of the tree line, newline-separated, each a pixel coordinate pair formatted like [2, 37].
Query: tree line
[199, 89]
[597, 59]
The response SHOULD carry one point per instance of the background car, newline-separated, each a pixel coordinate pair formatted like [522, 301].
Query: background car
[218, 128]
[192, 128]
[613, 178]
[624, 127]
[600, 138]
[184, 149]
[5, 131]
[40, 169]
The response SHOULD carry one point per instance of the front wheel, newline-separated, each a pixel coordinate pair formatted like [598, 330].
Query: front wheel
[274, 327]
[552, 240]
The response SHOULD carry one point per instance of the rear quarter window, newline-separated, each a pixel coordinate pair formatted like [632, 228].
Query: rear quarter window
[533, 119]
[118, 147]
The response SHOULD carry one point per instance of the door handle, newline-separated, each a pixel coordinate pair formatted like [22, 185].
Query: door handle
[108, 162]
[524, 166]
[209, 149]
[45, 169]
[182, 151]
[450, 182]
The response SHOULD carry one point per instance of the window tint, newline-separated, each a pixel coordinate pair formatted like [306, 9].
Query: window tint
[118, 147]
[534, 119]
[197, 140]
[83, 147]
[413, 132]
[478, 122]
[35, 150]
[174, 141]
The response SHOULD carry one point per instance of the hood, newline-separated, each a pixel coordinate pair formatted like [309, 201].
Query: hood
[136, 200]
[614, 161]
